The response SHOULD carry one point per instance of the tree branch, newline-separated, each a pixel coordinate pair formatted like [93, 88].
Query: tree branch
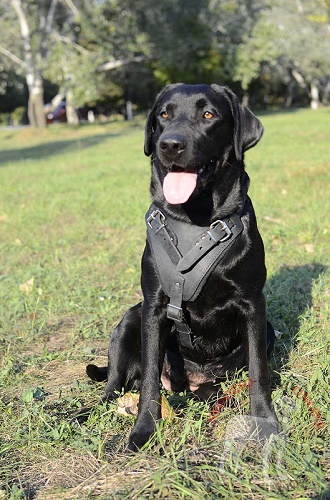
[298, 77]
[50, 16]
[119, 63]
[72, 7]
[28, 57]
[67, 40]
[12, 56]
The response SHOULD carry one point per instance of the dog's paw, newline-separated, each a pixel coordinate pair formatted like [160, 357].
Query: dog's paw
[137, 440]
[262, 428]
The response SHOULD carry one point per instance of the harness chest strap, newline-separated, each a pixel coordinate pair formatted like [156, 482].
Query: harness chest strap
[175, 312]
[208, 248]
[219, 233]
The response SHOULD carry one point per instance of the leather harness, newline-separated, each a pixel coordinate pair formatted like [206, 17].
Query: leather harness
[185, 255]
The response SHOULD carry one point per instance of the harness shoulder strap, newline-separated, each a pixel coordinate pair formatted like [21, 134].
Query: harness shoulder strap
[168, 239]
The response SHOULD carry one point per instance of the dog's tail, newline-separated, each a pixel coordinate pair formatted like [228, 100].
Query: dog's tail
[96, 373]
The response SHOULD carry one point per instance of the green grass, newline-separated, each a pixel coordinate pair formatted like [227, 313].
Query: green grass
[72, 207]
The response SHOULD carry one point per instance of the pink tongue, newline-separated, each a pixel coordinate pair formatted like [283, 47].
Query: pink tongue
[179, 186]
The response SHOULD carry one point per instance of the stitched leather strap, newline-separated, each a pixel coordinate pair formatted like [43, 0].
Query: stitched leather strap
[220, 233]
[175, 312]
[158, 223]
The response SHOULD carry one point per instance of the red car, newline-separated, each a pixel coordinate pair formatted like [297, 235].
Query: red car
[58, 115]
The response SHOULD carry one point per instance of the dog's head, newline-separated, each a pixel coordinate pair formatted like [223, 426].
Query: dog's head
[191, 131]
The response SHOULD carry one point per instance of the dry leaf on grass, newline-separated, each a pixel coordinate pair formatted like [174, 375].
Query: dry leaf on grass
[27, 287]
[309, 248]
[129, 404]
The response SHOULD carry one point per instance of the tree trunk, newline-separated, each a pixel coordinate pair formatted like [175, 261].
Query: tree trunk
[33, 76]
[326, 92]
[128, 111]
[245, 99]
[289, 94]
[315, 97]
[36, 113]
[71, 113]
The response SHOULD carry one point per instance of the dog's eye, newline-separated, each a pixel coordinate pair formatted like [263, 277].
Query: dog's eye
[208, 115]
[164, 114]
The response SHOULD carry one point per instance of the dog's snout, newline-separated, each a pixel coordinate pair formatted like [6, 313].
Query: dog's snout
[172, 145]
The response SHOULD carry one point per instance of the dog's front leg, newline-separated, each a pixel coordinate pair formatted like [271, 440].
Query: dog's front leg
[260, 394]
[155, 330]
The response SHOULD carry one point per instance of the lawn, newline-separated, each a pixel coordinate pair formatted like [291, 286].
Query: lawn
[72, 206]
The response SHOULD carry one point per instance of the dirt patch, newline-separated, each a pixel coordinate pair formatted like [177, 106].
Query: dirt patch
[56, 365]
[57, 376]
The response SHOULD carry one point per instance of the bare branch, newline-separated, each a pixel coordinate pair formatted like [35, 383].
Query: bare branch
[72, 7]
[67, 40]
[28, 55]
[298, 77]
[50, 16]
[12, 56]
[119, 63]
[17, 4]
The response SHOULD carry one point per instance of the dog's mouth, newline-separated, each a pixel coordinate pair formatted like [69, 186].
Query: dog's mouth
[179, 184]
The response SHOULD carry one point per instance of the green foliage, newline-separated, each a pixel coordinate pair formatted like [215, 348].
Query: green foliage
[74, 71]
[255, 49]
[276, 42]
[184, 42]
[254, 43]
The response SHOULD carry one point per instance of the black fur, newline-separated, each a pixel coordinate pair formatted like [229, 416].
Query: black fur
[228, 317]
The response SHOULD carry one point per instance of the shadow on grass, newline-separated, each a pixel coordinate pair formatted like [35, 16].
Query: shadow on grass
[47, 149]
[288, 296]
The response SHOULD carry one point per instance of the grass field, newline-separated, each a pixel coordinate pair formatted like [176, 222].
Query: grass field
[72, 206]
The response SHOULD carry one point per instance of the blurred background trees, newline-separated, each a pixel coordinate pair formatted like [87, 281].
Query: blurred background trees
[104, 55]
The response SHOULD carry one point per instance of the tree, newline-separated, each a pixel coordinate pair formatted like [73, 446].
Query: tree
[231, 23]
[298, 57]
[32, 66]
[179, 39]
[38, 20]
[171, 39]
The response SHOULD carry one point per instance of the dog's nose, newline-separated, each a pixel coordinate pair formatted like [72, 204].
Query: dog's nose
[172, 145]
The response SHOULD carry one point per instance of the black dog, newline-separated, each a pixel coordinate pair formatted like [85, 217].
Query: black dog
[203, 271]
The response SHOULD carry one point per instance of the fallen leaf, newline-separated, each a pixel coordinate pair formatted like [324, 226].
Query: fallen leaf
[276, 240]
[310, 248]
[128, 404]
[27, 287]
[272, 219]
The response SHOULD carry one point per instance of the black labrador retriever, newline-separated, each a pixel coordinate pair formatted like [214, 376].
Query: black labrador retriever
[203, 311]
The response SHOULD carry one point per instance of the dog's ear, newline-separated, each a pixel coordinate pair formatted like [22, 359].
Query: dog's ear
[248, 129]
[149, 130]
[150, 123]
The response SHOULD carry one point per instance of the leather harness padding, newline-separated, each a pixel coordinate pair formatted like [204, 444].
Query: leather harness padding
[185, 255]
[188, 237]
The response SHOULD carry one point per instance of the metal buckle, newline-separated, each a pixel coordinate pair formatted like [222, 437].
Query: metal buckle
[153, 216]
[176, 314]
[224, 227]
